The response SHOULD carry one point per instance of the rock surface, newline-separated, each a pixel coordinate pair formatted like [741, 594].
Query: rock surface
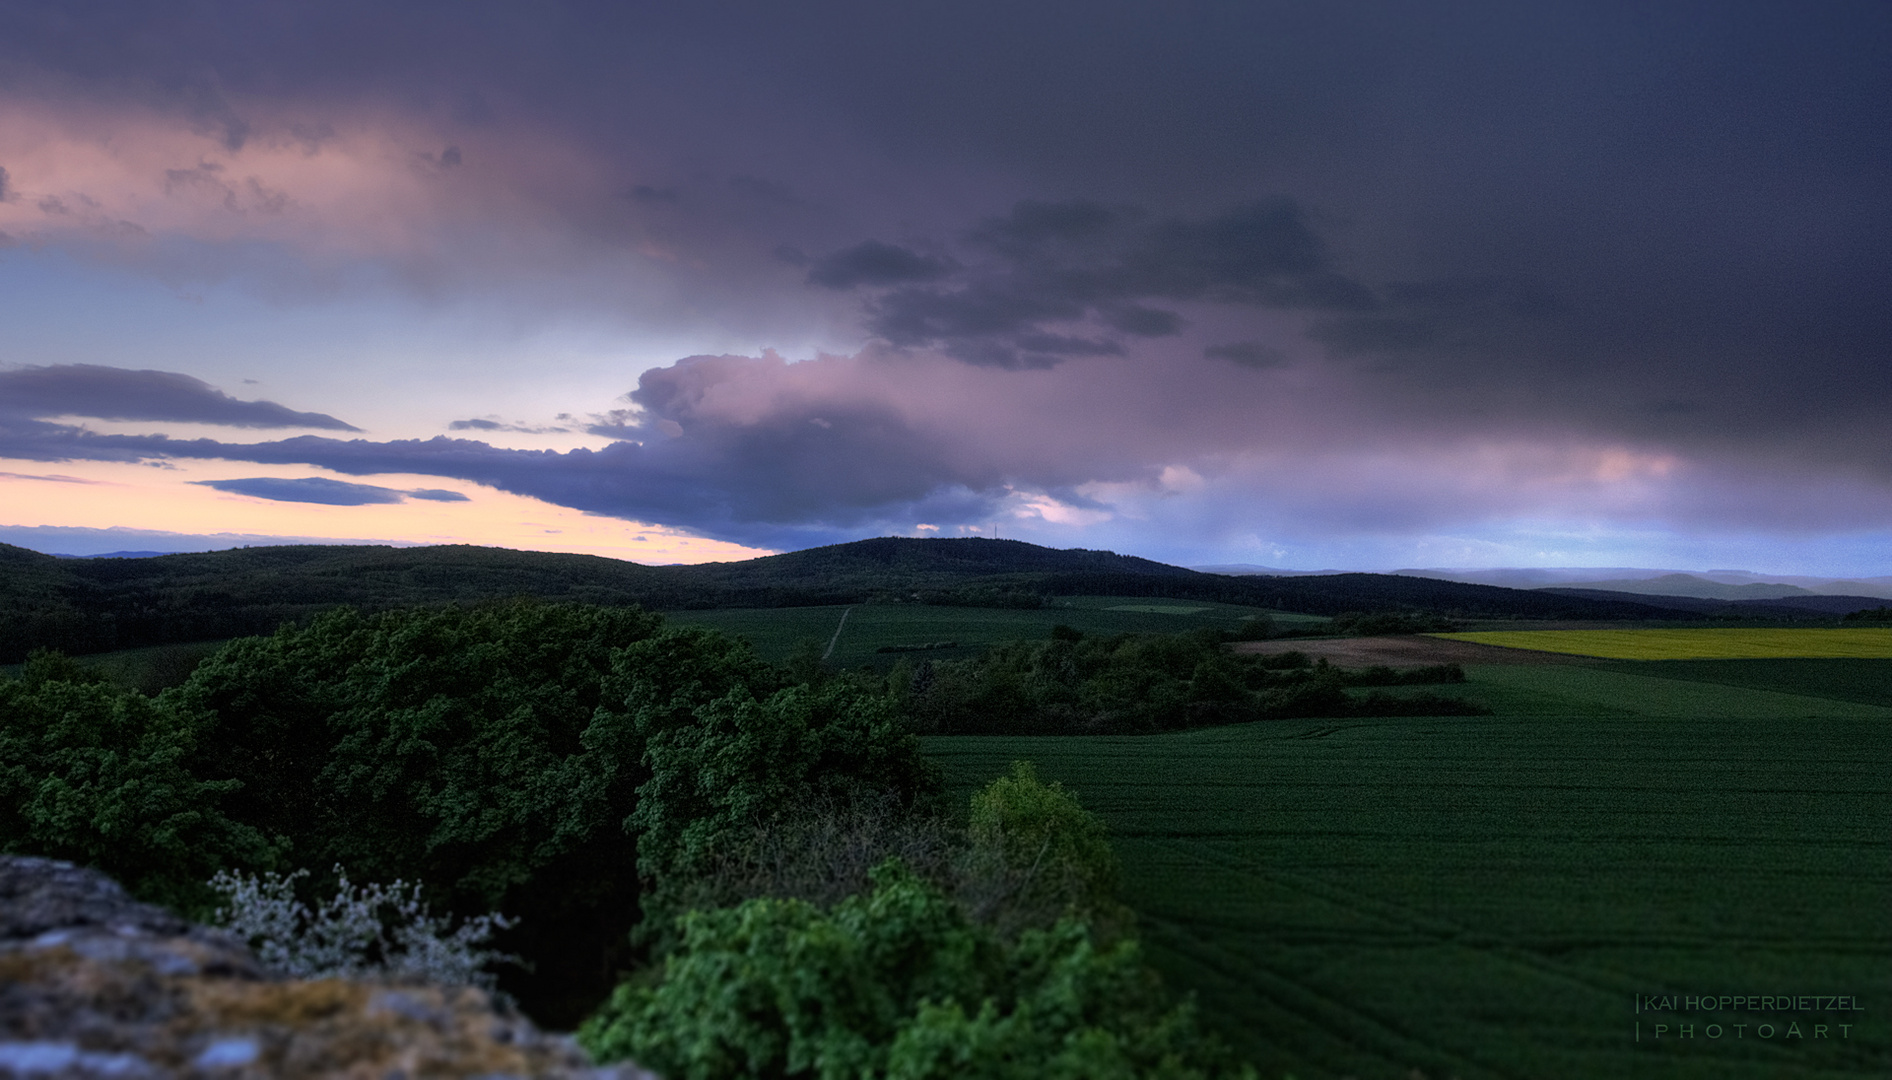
[96, 984]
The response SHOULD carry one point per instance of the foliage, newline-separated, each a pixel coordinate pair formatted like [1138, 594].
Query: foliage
[898, 983]
[1380, 675]
[102, 777]
[1034, 855]
[374, 930]
[1139, 683]
[1391, 622]
[720, 768]
[1880, 614]
[821, 850]
[552, 761]
[471, 747]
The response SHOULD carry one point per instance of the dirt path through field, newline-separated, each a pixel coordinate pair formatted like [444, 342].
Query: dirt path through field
[1406, 650]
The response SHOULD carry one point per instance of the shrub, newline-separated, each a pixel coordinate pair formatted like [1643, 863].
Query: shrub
[898, 983]
[373, 930]
[1034, 855]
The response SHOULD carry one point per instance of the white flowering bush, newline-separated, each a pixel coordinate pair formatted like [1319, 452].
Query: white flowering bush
[373, 930]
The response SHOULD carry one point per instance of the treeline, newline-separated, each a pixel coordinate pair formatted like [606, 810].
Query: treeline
[95, 605]
[768, 848]
[1133, 684]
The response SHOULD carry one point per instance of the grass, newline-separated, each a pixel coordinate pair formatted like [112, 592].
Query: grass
[1867, 681]
[1486, 896]
[777, 632]
[1696, 644]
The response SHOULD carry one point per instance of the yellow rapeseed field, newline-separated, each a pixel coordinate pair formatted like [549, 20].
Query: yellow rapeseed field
[1871, 643]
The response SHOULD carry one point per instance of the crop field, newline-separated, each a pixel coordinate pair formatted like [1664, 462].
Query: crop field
[1488, 896]
[1696, 643]
[777, 632]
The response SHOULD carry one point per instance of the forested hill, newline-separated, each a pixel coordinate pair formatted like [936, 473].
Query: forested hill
[92, 605]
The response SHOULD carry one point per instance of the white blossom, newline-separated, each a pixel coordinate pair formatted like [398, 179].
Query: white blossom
[373, 930]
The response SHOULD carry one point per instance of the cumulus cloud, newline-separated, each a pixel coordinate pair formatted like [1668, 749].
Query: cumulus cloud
[109, 393]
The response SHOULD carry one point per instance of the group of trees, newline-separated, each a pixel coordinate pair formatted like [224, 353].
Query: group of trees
[633, 797]
[764, 844]
[1125, 684]
[554, 762]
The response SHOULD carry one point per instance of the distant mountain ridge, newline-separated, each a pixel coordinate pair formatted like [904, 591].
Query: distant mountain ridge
[94, 605]
[1703, 584]
[1782, 607]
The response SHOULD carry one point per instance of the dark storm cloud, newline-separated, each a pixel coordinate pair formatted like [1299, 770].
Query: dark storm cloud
[875, 263]
[110, 393]
[1251, 354]
[1046, 265]
[1658, 225]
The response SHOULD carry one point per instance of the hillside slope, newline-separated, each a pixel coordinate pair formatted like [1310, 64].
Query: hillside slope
[93, 605]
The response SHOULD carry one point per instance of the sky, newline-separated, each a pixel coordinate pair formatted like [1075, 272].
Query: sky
[1293, 284]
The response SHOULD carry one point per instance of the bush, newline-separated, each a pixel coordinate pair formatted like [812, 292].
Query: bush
[897, 983]
[378, 931]
[821, 850]
[1034, 855]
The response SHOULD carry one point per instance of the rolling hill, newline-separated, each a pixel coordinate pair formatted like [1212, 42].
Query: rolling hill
[94, 605]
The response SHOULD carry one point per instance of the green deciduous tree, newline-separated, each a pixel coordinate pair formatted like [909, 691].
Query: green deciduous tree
[102, 777]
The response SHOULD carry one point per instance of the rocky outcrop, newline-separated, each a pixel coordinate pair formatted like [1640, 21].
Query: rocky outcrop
[96, 984]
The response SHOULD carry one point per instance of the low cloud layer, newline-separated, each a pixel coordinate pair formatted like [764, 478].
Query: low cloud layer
[765, 452]
[110, 393]
[316, 489]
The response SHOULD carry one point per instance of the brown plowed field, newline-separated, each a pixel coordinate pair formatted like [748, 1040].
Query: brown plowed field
[1406, 650]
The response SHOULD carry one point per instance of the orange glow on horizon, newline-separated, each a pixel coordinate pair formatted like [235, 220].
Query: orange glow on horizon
[103, 495]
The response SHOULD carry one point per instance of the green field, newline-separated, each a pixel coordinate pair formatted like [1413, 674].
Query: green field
[1486, 896]
[1696, 643]
[776, 632]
